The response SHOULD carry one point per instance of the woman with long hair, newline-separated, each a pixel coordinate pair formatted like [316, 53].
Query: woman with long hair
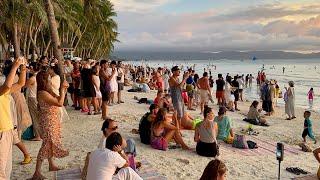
[163, 131]
[215, 170]
[205, 135]
[289, 99]
[49, 123]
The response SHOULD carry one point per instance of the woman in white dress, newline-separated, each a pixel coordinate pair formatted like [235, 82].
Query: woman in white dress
[55, 83]
[166, 78]
[113, 81]
[289, 98]
[96, 84]
[228, 95]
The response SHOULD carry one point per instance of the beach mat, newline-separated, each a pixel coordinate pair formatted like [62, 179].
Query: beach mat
[147, 172]
[307, 177]
[68, 174]
[264, 148]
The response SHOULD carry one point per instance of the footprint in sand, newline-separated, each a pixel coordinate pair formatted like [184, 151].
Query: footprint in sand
[185, 161]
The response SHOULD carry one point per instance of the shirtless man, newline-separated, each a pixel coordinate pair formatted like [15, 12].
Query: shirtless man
[205, 93]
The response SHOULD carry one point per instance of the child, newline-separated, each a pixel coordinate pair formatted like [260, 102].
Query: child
[308, 127]
[310, 98]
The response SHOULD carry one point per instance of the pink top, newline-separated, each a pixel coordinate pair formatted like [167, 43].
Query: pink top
[310, 95]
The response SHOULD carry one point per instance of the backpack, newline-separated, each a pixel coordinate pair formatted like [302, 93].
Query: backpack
[145, 129]
[240, 142]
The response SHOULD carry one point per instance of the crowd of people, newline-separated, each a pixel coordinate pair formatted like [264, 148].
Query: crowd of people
[33, 96]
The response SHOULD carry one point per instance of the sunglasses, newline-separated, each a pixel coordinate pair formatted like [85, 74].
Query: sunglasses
[114, 128]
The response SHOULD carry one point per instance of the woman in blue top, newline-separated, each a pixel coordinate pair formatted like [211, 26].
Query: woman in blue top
[225, 131]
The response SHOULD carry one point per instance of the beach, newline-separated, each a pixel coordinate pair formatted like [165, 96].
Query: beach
[81, 134]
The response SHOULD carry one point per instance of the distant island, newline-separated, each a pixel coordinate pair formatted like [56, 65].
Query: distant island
[232, 55]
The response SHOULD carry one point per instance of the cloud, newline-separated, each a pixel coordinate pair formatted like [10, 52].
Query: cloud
[264, 27]
[137, 5]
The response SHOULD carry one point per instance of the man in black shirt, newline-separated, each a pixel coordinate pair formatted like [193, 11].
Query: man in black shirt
[236, 85]
[220, 90]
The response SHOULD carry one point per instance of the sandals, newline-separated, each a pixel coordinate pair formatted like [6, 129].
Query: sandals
[296, 170]
[27, 160]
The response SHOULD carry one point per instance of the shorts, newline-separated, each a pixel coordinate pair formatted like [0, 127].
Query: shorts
[159, 85]
[77, 92]
[159, 143]
[220, 94]
[267, 106]
[70, 88]
[306, 133]
[15, 135]
[236, 96]
[105, 96]
[207, 149]
[240, 90]
[88, 93]
[6, 140]
[190, 90]
[204, 96]
[120, 86]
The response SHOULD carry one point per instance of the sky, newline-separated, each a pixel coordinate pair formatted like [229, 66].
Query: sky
[218, 25]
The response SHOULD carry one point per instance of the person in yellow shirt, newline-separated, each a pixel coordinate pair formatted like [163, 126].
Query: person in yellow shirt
[6, 125]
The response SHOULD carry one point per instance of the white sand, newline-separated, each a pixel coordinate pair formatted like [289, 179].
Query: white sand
[82, 133]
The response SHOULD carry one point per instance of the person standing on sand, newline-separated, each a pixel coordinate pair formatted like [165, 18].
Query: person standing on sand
[6, 122]
[235, 85]
[205, 93]
[104, 87]
[176, 91]
[289, 98]
[250, 80]
[307, 127]
[241, 86]
[112, 72]
[190, 87]
[120, 80]
[310, 98]
[220, 90]
[50, 126]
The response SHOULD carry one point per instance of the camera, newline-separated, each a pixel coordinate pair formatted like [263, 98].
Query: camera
[280, 151]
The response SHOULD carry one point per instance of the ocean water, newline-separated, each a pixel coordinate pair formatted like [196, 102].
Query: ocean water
[304, 73]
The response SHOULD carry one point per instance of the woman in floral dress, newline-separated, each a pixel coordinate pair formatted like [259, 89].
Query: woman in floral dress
[49, 122]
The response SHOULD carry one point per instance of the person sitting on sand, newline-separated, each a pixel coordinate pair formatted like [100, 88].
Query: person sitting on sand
[145, 124]
[254, 116]
[163, 131]
[215, 170]
[110, 126]
[307, 131]
[225, 130]
[205, 135]
[104, 162]
[166, 102]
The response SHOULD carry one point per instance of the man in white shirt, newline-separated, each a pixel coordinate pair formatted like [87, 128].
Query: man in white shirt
[103, 163]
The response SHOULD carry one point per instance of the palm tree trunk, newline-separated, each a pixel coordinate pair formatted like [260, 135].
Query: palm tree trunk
[55, 36]
[16, 40]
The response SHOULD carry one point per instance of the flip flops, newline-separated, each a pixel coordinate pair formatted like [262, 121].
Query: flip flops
[296, 170]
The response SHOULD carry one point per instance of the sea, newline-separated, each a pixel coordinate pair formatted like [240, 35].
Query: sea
[303, 72]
